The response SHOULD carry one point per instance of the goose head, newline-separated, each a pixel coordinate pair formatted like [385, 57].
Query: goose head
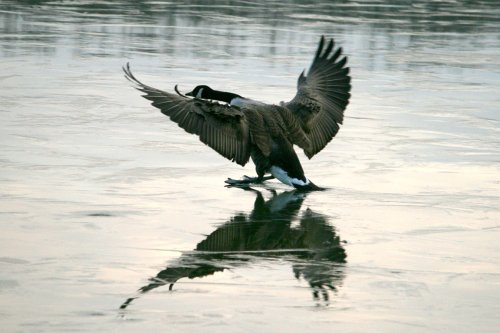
[201, 92]
[205, 92]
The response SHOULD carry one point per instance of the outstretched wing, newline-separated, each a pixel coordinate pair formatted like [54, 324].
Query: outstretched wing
[221, 127]
[322, 96]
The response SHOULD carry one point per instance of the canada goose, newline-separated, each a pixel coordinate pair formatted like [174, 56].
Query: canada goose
[244, 128]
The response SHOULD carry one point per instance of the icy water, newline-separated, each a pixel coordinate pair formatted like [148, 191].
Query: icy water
[114, 219]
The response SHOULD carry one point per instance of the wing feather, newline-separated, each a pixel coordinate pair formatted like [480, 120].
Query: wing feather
[322, 97]
[223, 128]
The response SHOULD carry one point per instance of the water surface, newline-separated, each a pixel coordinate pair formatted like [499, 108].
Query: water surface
[115, 219]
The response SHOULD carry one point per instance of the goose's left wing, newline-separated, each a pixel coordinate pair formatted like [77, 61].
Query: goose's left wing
[322, 97]
[223, 128]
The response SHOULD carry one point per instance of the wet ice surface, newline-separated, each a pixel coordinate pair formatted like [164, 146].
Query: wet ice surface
[104, 202]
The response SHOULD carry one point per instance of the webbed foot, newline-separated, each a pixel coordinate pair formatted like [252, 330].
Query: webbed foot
[247, 180]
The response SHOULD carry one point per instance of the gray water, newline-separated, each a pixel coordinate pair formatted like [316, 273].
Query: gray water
[105, 202]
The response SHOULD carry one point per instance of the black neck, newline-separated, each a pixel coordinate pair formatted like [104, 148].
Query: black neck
[222, 96]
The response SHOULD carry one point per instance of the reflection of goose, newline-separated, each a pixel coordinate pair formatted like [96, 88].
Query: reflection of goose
[311, 245]
[245, 128]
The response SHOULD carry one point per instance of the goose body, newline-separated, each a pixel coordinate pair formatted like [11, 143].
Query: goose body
[243, 128]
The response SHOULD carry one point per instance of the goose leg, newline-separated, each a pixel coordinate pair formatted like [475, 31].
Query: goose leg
[247, 180]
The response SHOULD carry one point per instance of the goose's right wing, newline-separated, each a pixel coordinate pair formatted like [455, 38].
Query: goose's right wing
[322, 97]
[223, 128]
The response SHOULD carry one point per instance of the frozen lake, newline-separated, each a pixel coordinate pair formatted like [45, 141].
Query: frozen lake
[105, 202]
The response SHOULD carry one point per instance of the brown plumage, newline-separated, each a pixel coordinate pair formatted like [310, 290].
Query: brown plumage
[266, 133]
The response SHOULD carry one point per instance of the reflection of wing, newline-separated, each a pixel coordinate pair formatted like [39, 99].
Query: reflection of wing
[322, 97]
[190, 265]
[319, 235]
[324, 269]
[223, 128]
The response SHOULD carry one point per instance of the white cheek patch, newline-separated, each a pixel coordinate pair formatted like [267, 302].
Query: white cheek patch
[283, 177]
[200, 92]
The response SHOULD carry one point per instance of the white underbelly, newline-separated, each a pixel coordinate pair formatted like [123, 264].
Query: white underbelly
[283, 177]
